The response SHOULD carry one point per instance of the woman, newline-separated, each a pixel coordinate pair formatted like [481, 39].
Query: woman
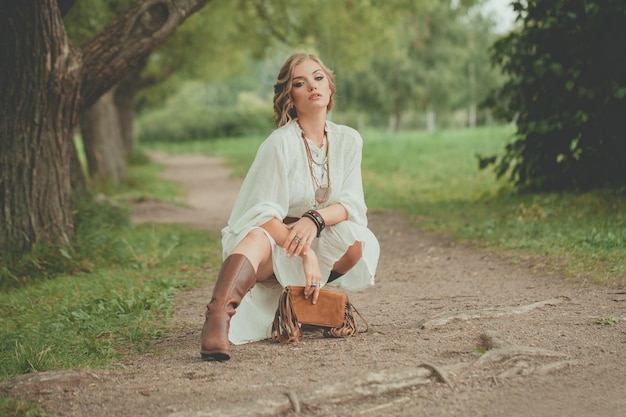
[300, 216]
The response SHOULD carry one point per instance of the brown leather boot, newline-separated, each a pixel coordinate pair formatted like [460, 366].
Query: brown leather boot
[236, 277]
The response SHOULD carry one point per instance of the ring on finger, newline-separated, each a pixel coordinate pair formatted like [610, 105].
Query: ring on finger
[313, 285]
[297, 239]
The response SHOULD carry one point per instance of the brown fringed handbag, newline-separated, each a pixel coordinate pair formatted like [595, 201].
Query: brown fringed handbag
[333, 312]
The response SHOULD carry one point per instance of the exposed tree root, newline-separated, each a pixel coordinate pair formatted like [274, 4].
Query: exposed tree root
[367, 386]
[43, 381]
[517, 360]
[511, 352]
[445, 318]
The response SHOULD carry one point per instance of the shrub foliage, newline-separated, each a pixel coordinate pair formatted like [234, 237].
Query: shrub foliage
[567, 89]
[173, 124]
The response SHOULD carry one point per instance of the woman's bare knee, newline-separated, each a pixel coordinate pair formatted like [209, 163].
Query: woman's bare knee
[256, 246]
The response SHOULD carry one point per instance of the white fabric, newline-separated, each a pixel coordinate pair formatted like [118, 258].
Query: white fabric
[279, 185]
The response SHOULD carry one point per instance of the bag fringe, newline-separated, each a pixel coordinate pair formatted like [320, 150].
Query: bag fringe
[286, 328]
[349, 326]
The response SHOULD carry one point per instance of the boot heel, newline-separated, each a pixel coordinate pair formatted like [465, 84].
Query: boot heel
[215, 356]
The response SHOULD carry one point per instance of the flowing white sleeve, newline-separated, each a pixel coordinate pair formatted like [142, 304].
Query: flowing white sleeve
[351, 193]
[264, 193]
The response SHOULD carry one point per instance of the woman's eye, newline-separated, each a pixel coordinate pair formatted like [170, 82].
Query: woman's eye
[319, 78]
[298, 84]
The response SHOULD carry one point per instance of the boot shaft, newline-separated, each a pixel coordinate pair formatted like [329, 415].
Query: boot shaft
[236, 277]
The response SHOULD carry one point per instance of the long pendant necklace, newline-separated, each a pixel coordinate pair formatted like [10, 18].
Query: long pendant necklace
[322, 191]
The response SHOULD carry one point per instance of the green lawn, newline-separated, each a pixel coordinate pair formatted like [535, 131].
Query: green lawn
[435, 178]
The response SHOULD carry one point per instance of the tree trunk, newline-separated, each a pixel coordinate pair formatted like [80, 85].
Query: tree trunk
[361, 122]
[125, 103]
[107, 129]
[396, 119]
[38, 106]
[472, 115]
[430, 119]
[45, 83]
[102, 139]
[488, 117]
[472, 107]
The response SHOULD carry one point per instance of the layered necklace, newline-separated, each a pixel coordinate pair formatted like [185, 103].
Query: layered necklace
[321, 185]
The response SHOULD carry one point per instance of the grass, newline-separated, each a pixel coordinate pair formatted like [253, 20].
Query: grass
[435, 178]
[117, 300]
[12, 407]
[87, 319]
[143, 182]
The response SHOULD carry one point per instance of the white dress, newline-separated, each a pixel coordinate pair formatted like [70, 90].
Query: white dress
[279, 185]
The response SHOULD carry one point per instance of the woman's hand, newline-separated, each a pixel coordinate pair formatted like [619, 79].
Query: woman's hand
[312, 274]
[301, 235]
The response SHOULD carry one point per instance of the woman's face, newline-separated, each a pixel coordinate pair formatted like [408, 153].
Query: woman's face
[310, 89]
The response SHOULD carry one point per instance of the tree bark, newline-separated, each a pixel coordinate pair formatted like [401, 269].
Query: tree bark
[107, 127]
[102, 140]
[396, 119]
[124, 102]
[45, 82]
[38, 103]
[472, 107]
[430, 119]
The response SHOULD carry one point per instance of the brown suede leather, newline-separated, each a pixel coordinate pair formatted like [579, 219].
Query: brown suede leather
[328, 312]
[236, 277]
[333, 312]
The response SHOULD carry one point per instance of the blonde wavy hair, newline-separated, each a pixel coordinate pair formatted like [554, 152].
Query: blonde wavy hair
[284, 111]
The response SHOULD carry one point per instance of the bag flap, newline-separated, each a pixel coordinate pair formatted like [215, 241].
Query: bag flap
[328, 312]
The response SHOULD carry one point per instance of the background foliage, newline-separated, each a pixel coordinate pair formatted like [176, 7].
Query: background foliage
[396, 61]
[567, 90]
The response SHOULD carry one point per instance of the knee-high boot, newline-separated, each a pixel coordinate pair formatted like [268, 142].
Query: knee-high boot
[236, 277]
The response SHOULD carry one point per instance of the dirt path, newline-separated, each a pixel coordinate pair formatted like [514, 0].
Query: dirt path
[455, 332]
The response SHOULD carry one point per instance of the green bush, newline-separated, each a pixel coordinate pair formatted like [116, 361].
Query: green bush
[186, 124]
[568, 91]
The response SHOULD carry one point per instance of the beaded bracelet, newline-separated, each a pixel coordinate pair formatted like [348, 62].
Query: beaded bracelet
[317, 219]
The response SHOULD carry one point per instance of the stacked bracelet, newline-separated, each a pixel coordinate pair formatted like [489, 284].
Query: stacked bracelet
[317, 219]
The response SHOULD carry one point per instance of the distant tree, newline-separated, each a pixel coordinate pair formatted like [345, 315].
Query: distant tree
[101, 125]
[480, 75]
[442, 61]
[567, 88]
[434, 61]
[210, 44]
